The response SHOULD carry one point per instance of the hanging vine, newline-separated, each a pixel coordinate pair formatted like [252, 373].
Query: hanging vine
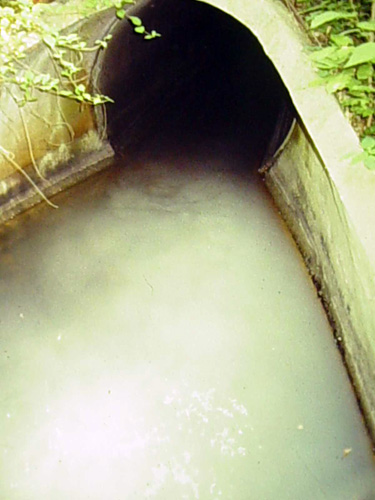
[20, 26]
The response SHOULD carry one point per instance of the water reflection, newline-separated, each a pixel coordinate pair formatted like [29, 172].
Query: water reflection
[160, 338]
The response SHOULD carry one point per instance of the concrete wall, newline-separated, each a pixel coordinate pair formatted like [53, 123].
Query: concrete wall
[40, 141]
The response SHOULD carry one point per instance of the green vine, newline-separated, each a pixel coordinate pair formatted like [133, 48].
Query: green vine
[134, 20]
[20, 27]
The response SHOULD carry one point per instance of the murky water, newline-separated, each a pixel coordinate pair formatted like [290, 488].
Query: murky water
[160, 338]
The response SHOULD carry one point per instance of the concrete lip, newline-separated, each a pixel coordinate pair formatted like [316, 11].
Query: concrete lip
[326, 199]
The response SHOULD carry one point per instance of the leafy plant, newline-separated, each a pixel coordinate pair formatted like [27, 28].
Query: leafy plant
[368, 144]
[20, 27]
[134, 20]
[344, 53]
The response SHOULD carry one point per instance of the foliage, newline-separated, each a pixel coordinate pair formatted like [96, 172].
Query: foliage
[135, 21]
[21, 26]
[344, 53]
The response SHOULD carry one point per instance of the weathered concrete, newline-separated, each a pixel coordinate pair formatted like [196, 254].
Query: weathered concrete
[317, 216]
[39, 140]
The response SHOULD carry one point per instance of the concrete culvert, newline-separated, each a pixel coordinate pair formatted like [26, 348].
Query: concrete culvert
[207, 72]
[173, 345]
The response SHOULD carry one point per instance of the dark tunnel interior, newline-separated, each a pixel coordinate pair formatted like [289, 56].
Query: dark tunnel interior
[205, 82]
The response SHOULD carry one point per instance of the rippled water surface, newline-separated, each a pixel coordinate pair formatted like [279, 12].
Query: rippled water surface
[160, 338]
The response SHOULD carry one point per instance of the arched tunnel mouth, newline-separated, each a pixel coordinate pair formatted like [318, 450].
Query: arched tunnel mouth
[158, 339]
[205, 84]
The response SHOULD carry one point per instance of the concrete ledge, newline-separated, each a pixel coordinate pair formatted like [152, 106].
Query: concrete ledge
[21, 195]
[326, 199]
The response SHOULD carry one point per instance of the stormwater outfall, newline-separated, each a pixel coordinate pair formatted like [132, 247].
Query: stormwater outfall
[160, 336]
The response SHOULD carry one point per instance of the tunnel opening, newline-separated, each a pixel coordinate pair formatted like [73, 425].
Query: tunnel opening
[204, 83]
[170, 341]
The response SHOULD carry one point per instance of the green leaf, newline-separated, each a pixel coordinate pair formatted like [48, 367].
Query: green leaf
[341, 40]
[96, 100]
[339, 82]
[361, 54]
[371, 130]
[38, 79]
[120, 14]
[365, 71]
[331, 57]
[79, 89]
[368, 144]
[50, 41]
[101, 43]
[135, 21]
[365, 112]
[45, 79]
[319, 55]
[69, 38]
[29, 76]
[328, 17]
[362, 89]
[370, 162]
[66, 93]
[367, 25]
[140, 29]
[356, 158]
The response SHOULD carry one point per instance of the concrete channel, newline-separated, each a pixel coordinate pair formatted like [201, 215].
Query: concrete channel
[306, 147]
